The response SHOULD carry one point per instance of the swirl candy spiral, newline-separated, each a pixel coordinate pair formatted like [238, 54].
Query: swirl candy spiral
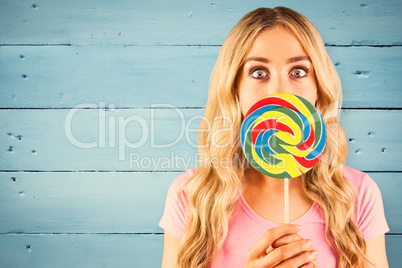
[283, 136]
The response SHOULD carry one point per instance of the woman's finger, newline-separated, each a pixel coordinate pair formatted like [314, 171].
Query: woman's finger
[259, 248]
[298, 252]
[286, 239]
[312, 264]
[305, 260]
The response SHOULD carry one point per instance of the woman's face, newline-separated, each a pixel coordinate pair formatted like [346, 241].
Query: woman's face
[276, 63]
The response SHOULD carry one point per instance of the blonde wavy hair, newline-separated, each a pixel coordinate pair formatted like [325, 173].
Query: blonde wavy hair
[212, 192]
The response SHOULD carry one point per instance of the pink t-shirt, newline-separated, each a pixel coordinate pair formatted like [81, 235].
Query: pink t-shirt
[246, 226]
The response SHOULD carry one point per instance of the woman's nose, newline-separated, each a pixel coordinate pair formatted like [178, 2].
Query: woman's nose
[279, 84]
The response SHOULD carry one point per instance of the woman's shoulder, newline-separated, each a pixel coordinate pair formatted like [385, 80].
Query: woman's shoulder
[361, 181]
[183, 178]
[367, 191]
[174, 217]
[369, 213]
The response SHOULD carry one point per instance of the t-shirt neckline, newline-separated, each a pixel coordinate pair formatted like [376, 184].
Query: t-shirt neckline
[266, 223]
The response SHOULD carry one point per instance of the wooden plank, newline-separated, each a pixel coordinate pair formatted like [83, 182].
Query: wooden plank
[76, 139]
[121, 76]
[62, 77]
[79, 202]
[390, 185]
[157, 22]
[373, 139]
[95, 250]
[113, 202]
[393, 246]
[80, 250]
[92, 139]
[368, 77]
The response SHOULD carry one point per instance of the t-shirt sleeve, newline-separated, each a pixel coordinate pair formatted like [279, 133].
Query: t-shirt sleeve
[174, 217]
[371, 217]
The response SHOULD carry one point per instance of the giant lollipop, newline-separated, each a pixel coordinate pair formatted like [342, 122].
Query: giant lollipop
[283, 136]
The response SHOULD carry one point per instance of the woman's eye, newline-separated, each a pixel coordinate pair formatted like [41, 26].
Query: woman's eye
[299, 73]
[258, 74]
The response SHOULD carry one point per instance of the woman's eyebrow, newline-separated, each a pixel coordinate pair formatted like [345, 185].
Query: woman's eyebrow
[298, 58]
[261, 59]
[290, 60]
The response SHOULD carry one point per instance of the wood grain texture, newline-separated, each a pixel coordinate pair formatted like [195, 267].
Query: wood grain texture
[98, 250]
[390, 185]
[80, 202]
[138, 145]
[373, 139]
[80, 250]
[57, 206]
[41, 139]
[127, 77]
[154, 22]
[393, 245]
[112, 202]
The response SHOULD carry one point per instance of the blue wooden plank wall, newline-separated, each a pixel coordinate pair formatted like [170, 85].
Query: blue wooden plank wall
[98, 100]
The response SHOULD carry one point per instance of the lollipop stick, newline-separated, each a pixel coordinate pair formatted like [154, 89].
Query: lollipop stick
[286, 201]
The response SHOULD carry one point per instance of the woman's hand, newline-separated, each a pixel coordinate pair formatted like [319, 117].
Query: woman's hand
[282, 247]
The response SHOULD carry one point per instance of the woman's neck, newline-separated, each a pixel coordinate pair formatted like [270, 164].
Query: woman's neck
[265, 195]
[268, 184]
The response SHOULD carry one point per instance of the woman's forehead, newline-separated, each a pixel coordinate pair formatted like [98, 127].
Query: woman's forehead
[276, 42]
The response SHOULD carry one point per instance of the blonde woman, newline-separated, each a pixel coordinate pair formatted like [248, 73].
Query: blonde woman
[224, 213]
